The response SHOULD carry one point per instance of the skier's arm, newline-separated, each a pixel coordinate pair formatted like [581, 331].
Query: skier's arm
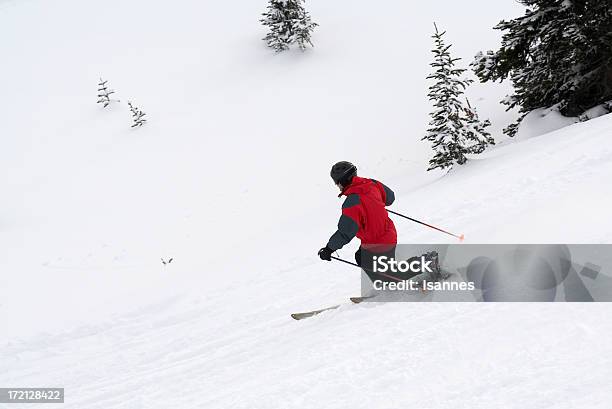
[388, 195]
[347, 225]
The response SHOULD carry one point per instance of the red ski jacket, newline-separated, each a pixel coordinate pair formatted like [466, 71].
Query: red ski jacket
[364, 215]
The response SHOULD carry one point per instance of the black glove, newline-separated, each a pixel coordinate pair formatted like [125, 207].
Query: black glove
[325, 253]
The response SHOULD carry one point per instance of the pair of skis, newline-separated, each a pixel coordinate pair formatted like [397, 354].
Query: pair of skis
[302, 315]
[444, 275]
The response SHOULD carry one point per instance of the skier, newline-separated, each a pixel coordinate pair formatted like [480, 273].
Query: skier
[363, 215]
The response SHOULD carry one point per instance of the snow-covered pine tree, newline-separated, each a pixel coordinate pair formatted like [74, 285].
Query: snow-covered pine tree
[558, 53]
[475, 130]
[137, 116]
[104, 94]
[289, 23]
[455, 130]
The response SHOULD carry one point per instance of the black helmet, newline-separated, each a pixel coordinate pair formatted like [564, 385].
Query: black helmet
[343, 172]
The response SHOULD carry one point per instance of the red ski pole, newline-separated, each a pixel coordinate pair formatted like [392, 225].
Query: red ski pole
[461, 237]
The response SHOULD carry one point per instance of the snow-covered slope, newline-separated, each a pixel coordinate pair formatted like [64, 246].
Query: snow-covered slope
[230, 179]
[239, 140]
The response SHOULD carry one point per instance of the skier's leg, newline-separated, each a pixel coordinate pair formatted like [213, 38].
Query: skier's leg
[367, 279]
[365, 258]
[358, 256]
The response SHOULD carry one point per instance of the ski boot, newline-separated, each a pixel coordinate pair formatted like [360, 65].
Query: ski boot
[437, 274]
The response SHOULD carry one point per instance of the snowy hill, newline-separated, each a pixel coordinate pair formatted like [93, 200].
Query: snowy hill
[230, 179]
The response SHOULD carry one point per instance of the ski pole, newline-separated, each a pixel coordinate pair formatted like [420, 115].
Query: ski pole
[357, 265]
[344, 261]
[428, 225]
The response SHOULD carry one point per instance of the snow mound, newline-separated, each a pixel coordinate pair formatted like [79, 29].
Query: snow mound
[541, 121]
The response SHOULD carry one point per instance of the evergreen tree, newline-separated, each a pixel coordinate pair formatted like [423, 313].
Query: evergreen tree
[104, 94]
[455, 130]
[558, 53]
[289, 23]
[137, 116]
[475, 130]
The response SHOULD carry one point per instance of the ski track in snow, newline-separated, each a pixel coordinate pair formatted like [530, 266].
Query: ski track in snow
[387, 355]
